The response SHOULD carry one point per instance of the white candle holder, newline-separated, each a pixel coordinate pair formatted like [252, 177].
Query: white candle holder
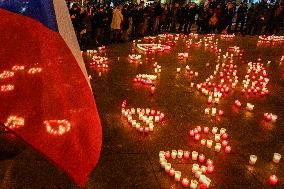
[218, 147]
[174, 154]
[180, 154]
[209, 143]
[177, 175]
[276, 157]
[214, 130]
[194, 155]
[195, 168]
[222, 131]
[193, 184]
[217, 137]
[168, 167]
[252, 159]
[203, 142]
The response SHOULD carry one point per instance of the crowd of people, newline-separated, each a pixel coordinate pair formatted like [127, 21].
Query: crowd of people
[102, 23]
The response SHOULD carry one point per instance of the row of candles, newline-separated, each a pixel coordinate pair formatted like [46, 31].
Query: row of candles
[148, 80]
[220, 138]
[147, 118]
[99, 62]
[198, 171]
[267, 116]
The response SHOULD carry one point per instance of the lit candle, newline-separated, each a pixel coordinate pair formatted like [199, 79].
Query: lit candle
[191, 133]
[217, 137]
[195, 167]
[209, 143]
[163, 163]
[193, 184]
[174, 154]
[197, 174]
[172, 172]
[217, 147]
[209, 162]
[203, 169]
[214, 130]
[252, 159]
[228, 149]
[168, 167]
[224, 143]
[206, 130]
[213, 111]
[167, 155]
[276, 157]
[197, 137]
[203, 142]
[273, 180]
[194, 155]
[177, 175]
[224, 136]
[186, 154]
[178, 70]
[201, 158]
[185, 182]
[210, 169]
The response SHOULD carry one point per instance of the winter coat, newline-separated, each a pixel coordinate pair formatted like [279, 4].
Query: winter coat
[117, 18]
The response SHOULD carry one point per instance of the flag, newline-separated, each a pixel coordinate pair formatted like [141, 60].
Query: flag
[45, 94]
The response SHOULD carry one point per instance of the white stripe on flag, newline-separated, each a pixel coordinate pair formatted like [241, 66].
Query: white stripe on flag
[67, 32]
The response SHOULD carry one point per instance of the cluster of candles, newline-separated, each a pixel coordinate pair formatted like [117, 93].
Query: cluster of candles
[91, 52]
[147, 117]
[227, 36]
[213, 111]
[152, 48]
[18, 68]
[190, 71]
[34, 70]
[135, 57]
[198, 171]
[100, 63]
[270, 117]
[6, 74]
[7, 88]
[255, 80]
[269, 39]
[57, 127]
[157, 67]
[182, 55]
[220, 138]
[273, 179]
[14, 122]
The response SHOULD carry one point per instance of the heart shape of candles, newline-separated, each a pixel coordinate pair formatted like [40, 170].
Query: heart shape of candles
[220, 138]
[198, 169]
[256, 80]
[14, 122]
[57, 127]
[147, 117]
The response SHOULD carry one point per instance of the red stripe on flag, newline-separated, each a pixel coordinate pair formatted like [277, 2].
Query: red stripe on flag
[50, 87]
